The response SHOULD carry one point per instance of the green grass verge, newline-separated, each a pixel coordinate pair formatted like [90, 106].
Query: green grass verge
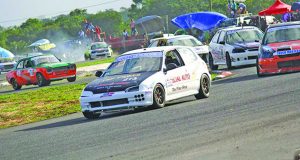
[95, 62]
[41, 104]
[213, 76]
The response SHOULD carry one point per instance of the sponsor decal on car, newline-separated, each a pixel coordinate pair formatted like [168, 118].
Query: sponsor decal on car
[280, 53]
[132, 56]
[108, 94]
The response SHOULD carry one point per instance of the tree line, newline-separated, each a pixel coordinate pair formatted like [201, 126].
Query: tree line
[65, 27]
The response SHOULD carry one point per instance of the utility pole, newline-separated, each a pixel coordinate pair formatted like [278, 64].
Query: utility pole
[210, 5]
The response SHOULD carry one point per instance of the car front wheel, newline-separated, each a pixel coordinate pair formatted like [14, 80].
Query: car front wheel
[15, 84]
[258, 69]
[158, 96]
[71, 79]
[91, 115]
[204, 87]
[228, 61]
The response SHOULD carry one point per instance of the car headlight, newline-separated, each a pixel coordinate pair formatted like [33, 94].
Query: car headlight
[86, 93]
[238, 50]
[266, 52]
[72, 66]
[49, 70]
[132, 89]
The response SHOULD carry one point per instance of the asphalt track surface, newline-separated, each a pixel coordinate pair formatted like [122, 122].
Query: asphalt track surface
[244, 118]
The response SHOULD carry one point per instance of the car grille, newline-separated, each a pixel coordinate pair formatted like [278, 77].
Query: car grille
[60, 68]
[8, 66]
[289, 55]
[109, 103]
[253, 49]
[252, 57]
[285, 64]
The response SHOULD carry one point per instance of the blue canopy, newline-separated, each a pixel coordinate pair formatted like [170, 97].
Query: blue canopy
[200, 20]
[5, 53]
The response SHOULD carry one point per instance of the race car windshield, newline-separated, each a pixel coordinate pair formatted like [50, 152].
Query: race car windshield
[185, 42]
[99, 45]
[282, 34]
[44, 59]
[244, 36]
[136, 63]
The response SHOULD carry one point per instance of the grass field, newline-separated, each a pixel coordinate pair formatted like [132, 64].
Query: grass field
[40, 104]
[95, 62]
[36, 105]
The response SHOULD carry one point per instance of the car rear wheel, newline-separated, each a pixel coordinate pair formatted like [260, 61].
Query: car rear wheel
[211, 62]
[158, 96]
[71, 79]
[204, 87]
[91, 115]
[41, 81]
[228, 61]
[15, 84]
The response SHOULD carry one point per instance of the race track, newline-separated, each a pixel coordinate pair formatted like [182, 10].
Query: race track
[245, 118]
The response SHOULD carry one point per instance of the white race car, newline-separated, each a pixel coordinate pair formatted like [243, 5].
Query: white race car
[182, 40]
[146, 77]
[234, 46]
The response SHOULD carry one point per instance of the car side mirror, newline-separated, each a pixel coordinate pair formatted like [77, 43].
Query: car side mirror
[171, 66]
[222, 42]
[98, 73]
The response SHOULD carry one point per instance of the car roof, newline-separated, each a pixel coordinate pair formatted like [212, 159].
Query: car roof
[98, 43]
[154, 49]
[174, 37]
[34, 56]
[238, 28]
[284, 24]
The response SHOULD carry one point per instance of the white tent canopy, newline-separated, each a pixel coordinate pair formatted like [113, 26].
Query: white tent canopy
[5, 53]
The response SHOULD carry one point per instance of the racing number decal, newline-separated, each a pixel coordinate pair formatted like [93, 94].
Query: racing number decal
[19, 73]
[31, 72]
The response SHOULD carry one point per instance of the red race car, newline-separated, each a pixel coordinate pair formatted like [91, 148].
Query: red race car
[280, 49]
[40, 70]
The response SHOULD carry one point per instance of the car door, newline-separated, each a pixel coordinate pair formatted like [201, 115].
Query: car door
[19, 73]
[175, 76]
[221, 48]
[191, 69]
[213, 47]
[29, 72]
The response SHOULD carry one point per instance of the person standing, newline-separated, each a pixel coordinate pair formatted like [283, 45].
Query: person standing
[132, 27]
[98, 32]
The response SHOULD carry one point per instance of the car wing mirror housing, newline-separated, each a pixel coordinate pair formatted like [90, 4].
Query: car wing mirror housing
[222, 42]
[171, 66]
[98, 73]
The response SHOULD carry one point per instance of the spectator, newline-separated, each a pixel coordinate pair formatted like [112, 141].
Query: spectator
[242, 8]
[125, 34]
[81, 34]
[98, 32]
[132, 27]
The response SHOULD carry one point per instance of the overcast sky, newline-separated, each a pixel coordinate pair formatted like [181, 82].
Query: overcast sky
[14, 12]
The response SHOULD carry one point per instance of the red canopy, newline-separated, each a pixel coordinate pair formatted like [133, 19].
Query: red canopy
[277, 8]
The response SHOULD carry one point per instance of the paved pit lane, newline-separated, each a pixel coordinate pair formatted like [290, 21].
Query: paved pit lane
[245, 118]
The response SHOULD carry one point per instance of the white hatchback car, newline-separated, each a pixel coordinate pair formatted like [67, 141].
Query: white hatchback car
[234, 46]
[146, 77]
[182, 40]
[100, 49]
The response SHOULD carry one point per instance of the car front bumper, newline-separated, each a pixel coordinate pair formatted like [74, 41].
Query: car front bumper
[115, 101]
[58, 75]
[279, 65]
[96, 55]
[246, 58]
